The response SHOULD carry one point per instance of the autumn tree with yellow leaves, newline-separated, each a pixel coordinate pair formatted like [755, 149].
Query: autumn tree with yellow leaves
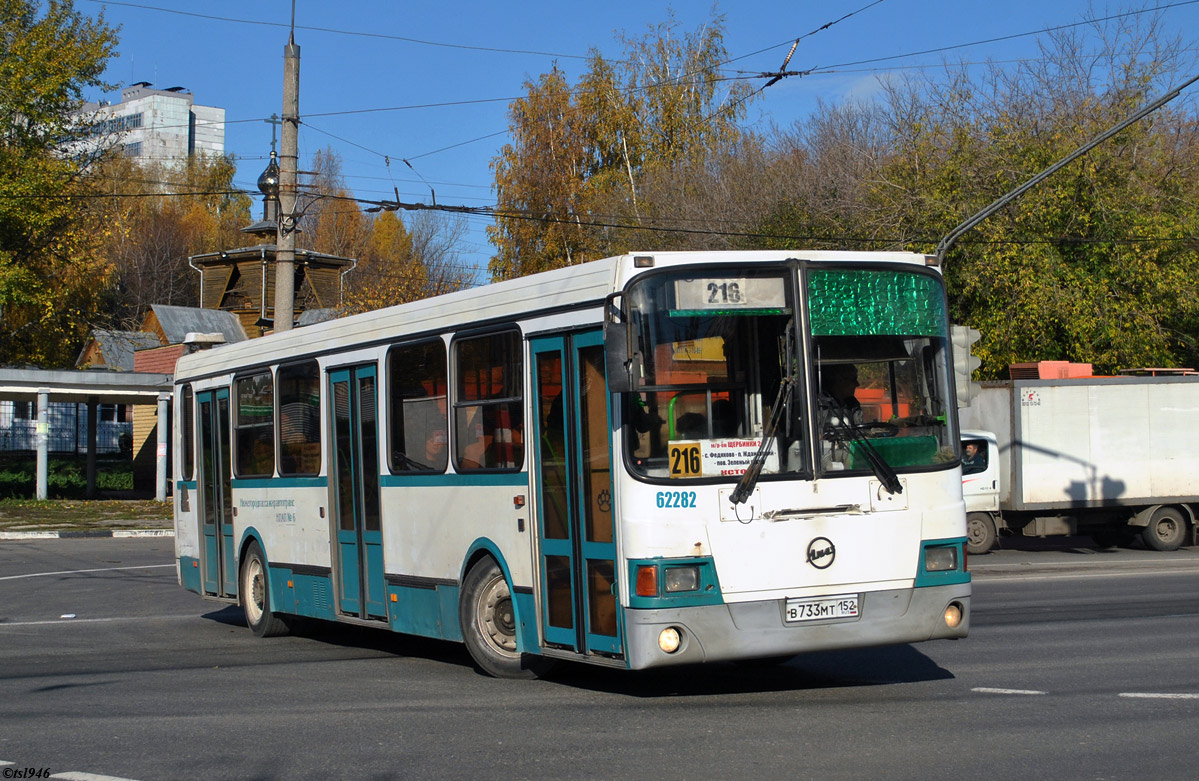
[156, 217]
[585, 159]
[397, 261]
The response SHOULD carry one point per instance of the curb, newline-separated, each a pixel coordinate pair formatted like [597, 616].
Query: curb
[67, 535]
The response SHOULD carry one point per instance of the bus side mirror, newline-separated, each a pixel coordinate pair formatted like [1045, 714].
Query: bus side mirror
[618, 363]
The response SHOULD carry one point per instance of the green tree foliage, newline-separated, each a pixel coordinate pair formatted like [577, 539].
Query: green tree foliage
[583, 158]
[49, 270]
[1094, 265]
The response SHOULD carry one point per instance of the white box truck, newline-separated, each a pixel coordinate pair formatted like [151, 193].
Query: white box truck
[1110, 457]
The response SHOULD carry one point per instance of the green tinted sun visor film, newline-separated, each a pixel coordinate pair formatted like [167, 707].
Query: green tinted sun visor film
[861, 302]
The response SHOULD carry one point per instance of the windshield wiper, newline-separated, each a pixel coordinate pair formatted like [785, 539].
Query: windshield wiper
[847, 431]
[745, 486]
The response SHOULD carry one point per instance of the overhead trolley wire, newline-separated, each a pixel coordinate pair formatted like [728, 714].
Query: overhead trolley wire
[358, 33]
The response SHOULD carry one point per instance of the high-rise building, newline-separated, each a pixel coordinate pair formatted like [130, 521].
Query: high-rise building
[152, 125]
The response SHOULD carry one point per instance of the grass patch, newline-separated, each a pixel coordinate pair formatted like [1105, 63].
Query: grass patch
[59, 515]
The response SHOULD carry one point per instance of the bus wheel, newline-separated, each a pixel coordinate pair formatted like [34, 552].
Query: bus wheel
[1166, 530]
[256, 595]
[488, 620]
[980, 533]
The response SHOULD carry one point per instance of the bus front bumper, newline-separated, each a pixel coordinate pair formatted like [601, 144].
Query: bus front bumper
[747, 630]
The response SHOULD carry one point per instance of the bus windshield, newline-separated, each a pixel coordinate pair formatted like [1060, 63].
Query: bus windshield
[881, 369]
[714, 353]
[718, 352]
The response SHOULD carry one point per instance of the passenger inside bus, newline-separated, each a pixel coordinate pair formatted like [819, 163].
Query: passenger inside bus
[435, 447]
[724, 419]
[691, 425]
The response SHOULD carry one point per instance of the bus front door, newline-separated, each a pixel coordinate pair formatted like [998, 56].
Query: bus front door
[216, 496]
[574, 521]
[355, 485]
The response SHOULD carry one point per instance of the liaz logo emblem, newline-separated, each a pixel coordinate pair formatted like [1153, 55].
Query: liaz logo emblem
[821, 553]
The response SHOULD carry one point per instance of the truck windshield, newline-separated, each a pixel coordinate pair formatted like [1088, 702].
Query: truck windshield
[881, 369]
[713, 352]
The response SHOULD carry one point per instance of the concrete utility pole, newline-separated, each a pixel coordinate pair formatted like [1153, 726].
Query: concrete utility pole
[285, 252]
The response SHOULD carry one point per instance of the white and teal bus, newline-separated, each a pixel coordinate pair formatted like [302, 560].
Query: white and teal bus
[648, 460]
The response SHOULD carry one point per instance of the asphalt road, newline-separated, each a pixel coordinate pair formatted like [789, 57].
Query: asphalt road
[1080, 664]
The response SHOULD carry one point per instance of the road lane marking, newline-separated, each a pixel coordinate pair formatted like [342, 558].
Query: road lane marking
[986, 690]
[82, 571]
[996, 577]
[47, 622]
[74, 776]
[1160, 696]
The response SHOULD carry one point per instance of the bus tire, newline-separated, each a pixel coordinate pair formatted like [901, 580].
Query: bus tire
[1166, 531]
[980, 533]
[256, 595]
[488, 619]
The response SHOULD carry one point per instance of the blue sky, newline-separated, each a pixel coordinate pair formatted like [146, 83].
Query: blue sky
[429, 82]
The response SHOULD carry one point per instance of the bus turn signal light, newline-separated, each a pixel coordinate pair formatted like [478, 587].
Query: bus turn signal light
[647, 581]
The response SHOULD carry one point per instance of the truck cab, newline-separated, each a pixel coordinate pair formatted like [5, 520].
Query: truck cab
[980, 489]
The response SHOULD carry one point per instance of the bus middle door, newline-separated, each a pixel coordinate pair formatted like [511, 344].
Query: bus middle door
[575, 524]
[355, 484]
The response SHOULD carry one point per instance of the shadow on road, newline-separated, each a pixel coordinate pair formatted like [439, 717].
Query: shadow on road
[1079, 544]
[357, 637]
[824, 670]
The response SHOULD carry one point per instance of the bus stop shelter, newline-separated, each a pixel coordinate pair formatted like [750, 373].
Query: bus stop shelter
[93, 387]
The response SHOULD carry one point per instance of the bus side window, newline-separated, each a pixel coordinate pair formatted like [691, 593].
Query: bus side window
[254, 425]
[488, 402]
[417, 413]
[299, 419]
[187, 429]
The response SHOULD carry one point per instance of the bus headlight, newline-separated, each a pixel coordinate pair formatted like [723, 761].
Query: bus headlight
[953, 615]
[668, 640]
[681, 579]
[940, 559]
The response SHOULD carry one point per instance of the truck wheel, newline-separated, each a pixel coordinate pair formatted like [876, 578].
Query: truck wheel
[1166, 530]
[488, 620]
[980, 533]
